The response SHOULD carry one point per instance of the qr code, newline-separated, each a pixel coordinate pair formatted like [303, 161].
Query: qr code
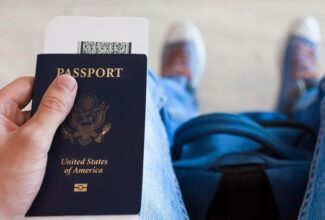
[95, 47]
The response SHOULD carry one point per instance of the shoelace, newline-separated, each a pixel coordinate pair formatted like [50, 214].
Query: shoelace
[177, 60]
[303, 61]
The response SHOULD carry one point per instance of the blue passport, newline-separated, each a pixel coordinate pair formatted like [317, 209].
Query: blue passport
[95, 163]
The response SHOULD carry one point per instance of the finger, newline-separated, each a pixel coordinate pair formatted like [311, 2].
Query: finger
[20, 117]
[18, 92]
[27, 115]
[53, 109]
[7, 125]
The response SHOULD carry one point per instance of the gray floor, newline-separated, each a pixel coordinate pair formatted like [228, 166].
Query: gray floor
[243, 40]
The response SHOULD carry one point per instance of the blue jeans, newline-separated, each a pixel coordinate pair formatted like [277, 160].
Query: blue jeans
[169, 103]
[313, 207]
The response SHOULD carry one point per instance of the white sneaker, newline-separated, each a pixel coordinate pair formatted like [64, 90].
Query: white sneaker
[184, 53]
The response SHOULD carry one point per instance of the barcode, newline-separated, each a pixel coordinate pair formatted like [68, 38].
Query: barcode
[95, 47]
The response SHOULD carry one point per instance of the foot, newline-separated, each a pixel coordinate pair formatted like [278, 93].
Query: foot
[300, 63]
[184, 54]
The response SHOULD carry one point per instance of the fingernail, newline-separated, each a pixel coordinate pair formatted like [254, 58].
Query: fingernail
[67, 82]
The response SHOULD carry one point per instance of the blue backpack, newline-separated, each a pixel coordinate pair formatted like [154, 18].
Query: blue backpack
[243, 166]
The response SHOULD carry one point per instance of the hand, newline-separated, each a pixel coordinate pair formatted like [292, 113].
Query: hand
[24, 142]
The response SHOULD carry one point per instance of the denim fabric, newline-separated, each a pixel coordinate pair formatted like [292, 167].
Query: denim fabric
[181, 103]
[306, 109]
[161, 197]
[169, 104]
[313, 207]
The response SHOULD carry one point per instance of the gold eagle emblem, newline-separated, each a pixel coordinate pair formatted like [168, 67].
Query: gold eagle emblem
[87, 121]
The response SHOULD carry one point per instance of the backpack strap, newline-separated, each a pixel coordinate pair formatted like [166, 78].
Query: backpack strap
[224, 123]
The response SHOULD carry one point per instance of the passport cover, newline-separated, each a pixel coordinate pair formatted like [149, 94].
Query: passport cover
[95, 162]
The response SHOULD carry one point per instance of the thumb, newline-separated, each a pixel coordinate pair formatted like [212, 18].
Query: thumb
[54, 107]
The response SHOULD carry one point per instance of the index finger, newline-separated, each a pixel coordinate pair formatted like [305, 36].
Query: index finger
[18, 91]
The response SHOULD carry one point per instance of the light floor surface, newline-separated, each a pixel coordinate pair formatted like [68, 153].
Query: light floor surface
[243, 38]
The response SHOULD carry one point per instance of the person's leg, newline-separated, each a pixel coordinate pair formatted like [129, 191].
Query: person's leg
[161, 196]
[302, 98]
[313, 206]
[299, 95]
[171, 99]
[183, 61]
